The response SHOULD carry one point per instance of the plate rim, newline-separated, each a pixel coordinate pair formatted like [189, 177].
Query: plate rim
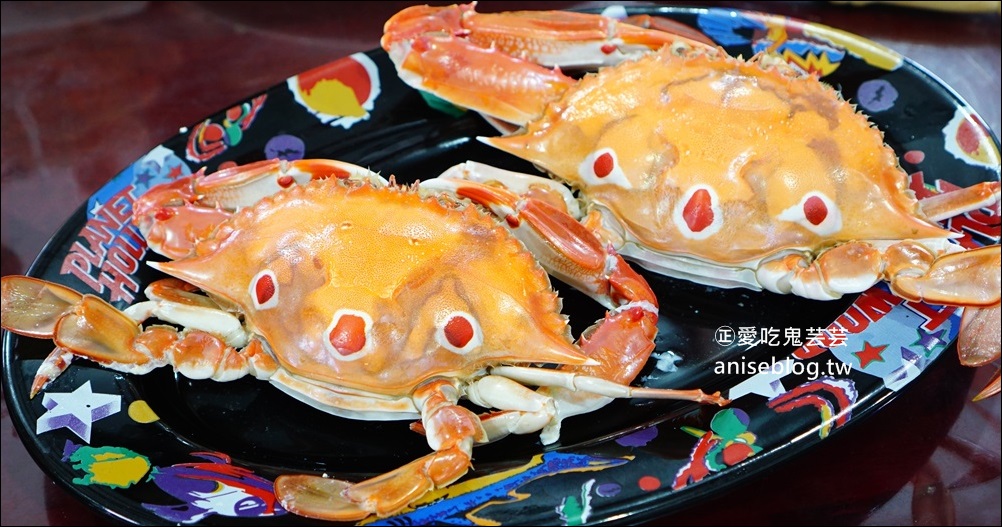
[735, 475]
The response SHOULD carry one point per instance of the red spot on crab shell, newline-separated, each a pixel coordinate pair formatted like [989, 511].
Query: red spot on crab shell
[815, 210]
[264, 289]
[698, 211]
[608, 48]
[164, 214]
[285, 181]
[458, 331]
[603, 165]
[348, 335]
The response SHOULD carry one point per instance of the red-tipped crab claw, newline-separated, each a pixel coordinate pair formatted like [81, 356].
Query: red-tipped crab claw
[172, 217]
[463, 56]
[87, 326]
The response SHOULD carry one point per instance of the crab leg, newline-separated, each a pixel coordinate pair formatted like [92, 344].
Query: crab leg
[171, 217]
[87, 326]
[964, 278]
[499, 64]
[949, 204]
[451, 431]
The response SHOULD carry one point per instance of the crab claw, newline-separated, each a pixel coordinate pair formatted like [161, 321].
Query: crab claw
[451, 431]
[565, 248]
[87, 326]
[317, 497]
[507, 65]
[53, 366]
[173, 216]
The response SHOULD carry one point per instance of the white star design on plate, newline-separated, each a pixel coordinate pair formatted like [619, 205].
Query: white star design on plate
[76, 410]
[766, 383]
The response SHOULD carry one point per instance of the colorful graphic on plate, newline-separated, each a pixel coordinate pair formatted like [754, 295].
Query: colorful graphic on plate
[340, 93]
[877, 318]
[876, 95]
[216, 487]
[832, 398]
[463, 503]
[727, 443]
[286, 147]
[76, 411]
[772, 35]
[141, 412]
[967, 138]
[111, 466]
[639, 438]
[208, 139]
[574, 510]
[106, 254]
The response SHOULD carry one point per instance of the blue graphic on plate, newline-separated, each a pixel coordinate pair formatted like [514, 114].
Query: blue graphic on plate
[722, 25]
[462, 508]
[877, 95]
[799, 48]
[160, 165]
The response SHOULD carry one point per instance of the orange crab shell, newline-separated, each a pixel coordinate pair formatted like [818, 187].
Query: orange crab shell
[727, 160]
[378, 289]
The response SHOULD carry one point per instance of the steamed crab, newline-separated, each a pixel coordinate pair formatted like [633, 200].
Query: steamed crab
[308, 287]
[698, 165]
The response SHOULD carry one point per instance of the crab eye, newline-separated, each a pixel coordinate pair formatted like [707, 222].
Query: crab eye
[348, 335]
[697, 215]
[264, 290]
[815, 212]
[459, 332]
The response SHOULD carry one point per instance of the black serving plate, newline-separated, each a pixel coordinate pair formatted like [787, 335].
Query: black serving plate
[164, 449]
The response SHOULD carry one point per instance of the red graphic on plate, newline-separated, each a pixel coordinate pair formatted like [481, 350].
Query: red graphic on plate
[209, 139]
[341, 92]
[348, 72]
[109, 250]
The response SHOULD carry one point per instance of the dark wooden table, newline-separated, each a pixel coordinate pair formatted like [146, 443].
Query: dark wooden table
[90, 87]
